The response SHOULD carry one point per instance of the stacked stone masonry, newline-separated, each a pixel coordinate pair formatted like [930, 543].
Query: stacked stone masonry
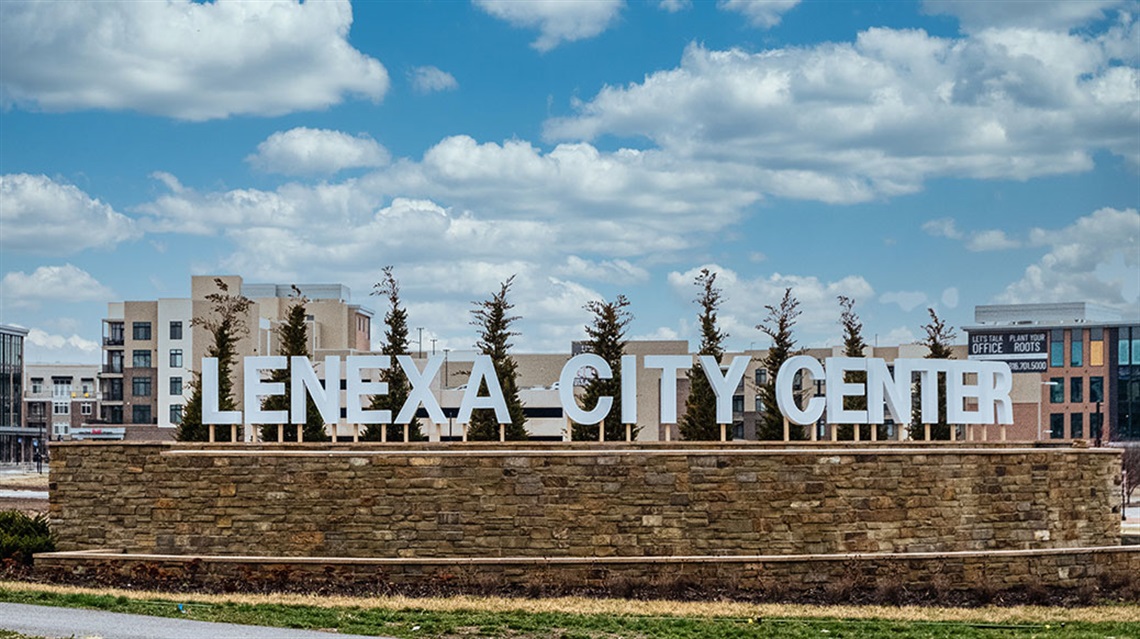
[579, 500]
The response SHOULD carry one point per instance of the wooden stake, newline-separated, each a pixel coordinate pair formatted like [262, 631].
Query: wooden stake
[724, 432]
[602, 431]
[280, 433]
[300, 433]
[787, 430]
[926, 429]
[405, 433]
[212, 428]
[629, 432]
[355, 433]
[502, 432]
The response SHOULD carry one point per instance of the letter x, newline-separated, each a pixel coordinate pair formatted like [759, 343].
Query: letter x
[420, 394]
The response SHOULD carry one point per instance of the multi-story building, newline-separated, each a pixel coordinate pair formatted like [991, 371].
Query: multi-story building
[17, 442]
[1076, 365]
[152, 349]
[60, 399]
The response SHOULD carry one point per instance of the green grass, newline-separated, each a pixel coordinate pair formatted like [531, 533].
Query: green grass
[456, 624]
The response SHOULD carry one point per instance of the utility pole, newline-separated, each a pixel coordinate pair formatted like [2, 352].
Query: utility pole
[421, 330]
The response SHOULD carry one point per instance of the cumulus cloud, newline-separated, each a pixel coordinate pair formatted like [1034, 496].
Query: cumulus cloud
[432, 79]
[850, 122]
[40, 215]
[906, 300]
[673, 6]
[557, 21]
[1095, 259]
[608, 271]
[975, 16]
[67, 283]
[182, 59]
[745, 299]
[761, 13]
[304, 151]
[990, 240]
[950, 297]
[43, 347]
[943, 227]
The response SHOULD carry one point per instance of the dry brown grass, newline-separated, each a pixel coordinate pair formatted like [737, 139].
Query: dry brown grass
[585, 606]
[24, 481]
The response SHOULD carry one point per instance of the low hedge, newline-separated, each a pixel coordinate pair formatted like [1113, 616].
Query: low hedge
[21, 536]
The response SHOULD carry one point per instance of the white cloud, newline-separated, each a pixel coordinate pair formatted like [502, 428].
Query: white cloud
[906, 300]
[673, 6]
[608, 271]
[44, 347]
[431, 79]
[66, 283]
[975, 15]
[745, 299]
[898, 335]
[991, 240]
[851, 122]
[1095, 259]
[942, 227]
[558, 21]
[304, 151]
[181, 59]
[40, 215]
[950, 297]
[761, 13]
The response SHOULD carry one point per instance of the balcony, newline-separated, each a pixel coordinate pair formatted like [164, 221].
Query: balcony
[113, 396]
[113, 369]
[113, 341]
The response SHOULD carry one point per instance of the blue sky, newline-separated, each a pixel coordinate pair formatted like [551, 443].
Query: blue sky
[910, 155]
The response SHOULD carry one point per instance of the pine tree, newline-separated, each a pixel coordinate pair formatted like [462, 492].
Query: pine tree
[395, 343]
[293, 338]
[938, 340]
[699, 420]
[778, 325]
[606, 335]
[854, 346]
[227, 326]
[491, 316]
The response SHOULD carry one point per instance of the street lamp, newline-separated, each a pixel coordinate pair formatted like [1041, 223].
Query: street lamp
[1039, 407]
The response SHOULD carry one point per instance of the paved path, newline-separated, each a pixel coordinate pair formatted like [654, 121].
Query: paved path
[48, 621]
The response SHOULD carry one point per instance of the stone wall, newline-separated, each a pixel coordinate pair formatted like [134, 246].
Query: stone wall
[579, 500]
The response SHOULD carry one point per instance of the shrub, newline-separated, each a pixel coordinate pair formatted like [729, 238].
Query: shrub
[21, 536]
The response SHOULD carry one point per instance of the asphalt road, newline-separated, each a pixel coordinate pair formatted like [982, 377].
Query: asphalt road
[48, 621]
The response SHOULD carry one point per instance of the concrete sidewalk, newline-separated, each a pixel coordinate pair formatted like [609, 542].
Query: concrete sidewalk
[48, 621]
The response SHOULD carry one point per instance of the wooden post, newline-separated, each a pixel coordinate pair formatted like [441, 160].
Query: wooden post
[723, 432]
[815, 432]
[355, 433]
[874, 432]
[787, 430]
[668, 433]
[212, 428]
[280, 433]
[502, 432]
[464, 432]
[858, 430]
[405, 433]
[1003, 432]
[602, 431]
[300, 433]
[953, 432]
[629, 432]
[233, 433]
[834, 432]
[383, 433]
[926, 429]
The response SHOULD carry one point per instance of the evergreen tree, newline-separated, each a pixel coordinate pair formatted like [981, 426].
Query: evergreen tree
[699, 420]
[938, 340]
[854, 346]
[395, 343]
[606, 335]
[778, 325]
[227, 326]
[491, 316]
[293, 340]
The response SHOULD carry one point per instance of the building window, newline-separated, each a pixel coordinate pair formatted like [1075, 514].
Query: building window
[141, 330]
[176, 413]
[114, 390]
[88, 386]
[140, 414]
[175, 385]
[1077, 349]
[1057, 426]
[759, 404]
[140, 387]
[738, 403]
[1077, 425]
[37, 385]
[175, 329]
[141, 359]
[761, 376]
[1057, 390]
[1076, 389]
[1122, 350]
[738, 430]
[1057, 348]
[1096, 347]
[86, 408]
[1096, 425]
[61, 387]
[176, 358]
[60, 408]
[1096, 389]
